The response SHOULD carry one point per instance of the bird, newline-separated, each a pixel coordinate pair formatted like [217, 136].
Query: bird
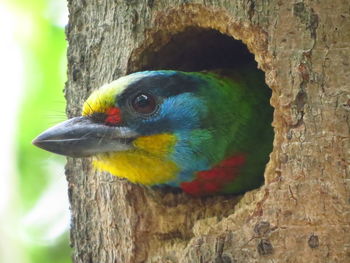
[205, 132]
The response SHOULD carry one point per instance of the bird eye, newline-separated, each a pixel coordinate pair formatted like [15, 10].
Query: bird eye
[144, 103]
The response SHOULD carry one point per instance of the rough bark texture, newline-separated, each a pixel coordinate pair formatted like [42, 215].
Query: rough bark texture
[301, 214]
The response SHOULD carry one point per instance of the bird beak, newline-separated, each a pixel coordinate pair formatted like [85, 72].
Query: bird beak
[81, 137]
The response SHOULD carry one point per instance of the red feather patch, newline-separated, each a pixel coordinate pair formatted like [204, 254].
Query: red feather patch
[113, 116]
[215, 179]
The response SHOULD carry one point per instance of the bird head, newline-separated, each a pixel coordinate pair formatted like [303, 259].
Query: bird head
[136, 127]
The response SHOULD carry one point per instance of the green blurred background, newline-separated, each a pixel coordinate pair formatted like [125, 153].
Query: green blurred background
[34, 209]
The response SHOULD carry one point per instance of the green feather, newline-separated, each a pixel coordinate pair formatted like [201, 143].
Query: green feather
[239, 118]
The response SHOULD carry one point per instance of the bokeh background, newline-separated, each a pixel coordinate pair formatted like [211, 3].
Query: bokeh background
[34, 212]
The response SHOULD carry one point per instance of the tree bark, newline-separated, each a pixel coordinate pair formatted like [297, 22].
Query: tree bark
[301, 213]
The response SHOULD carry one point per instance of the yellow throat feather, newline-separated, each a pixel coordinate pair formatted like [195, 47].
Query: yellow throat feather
[146, 164]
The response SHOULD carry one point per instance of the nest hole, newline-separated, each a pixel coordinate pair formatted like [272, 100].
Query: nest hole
[196, 49]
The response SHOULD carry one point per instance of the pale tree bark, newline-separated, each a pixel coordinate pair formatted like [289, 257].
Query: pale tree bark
[301, 213]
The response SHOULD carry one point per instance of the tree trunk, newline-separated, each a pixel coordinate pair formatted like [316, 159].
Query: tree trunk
[301, 213]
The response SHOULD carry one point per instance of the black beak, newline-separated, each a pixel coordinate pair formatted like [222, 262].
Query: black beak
[81, 137]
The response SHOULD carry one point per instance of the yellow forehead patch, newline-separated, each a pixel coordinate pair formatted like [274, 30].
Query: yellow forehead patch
[103, 98]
